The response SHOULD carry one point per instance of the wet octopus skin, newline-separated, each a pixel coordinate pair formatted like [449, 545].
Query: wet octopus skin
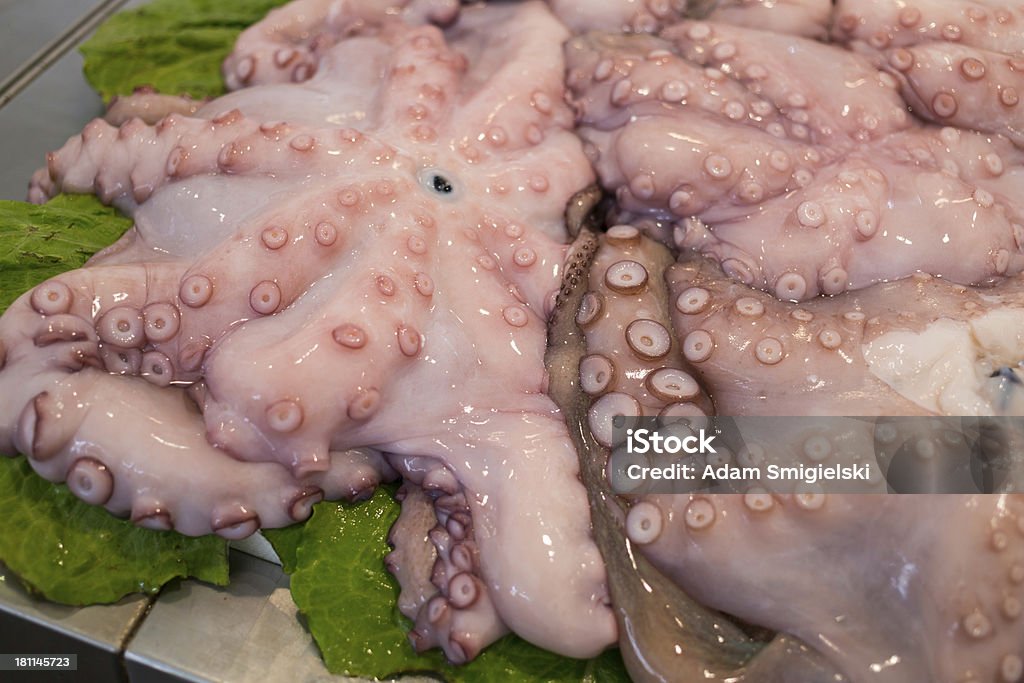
[390, 220]
[970, 629]
[395, 201]
[935, 599]
[634, 364]
[854, 354]
[797, 179]
[289, 44]
[957, 63]
[955, 611]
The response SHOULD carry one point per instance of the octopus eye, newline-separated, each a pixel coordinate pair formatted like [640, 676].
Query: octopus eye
[442, 184]
[439, 183]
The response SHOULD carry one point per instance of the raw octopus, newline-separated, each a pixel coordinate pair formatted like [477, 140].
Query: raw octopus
[342, 273]
[403, 240]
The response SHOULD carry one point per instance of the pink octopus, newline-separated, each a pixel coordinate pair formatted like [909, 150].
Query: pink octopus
[402, 238]
[343, 272]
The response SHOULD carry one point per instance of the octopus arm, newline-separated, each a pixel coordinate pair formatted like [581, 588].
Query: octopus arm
[639, 16]
[930, 603]
[62, 409]
[520, 62]
[125, 165]
[834, 233]
[807, 18]
[694, 165]
[900, 23]
[437, 562]
[287, 45]
[851, 354]
[844, 97]
[150, 106]
[962, 86]
[634, 364]
[532, 553]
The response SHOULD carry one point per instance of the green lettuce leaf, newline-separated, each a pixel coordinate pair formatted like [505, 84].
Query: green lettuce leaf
[38, 242]
[340, 585]
[175, 46]
[78, 554]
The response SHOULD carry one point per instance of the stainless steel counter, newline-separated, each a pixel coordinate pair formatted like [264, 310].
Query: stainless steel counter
[246, 632]
[27, 25]
[57, 104]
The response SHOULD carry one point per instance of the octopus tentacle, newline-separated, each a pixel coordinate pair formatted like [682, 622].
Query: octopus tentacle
[147, 104]
[807, 18]
[778, 212]
[461, 617]
[845, 98]
[124, 318]
[534, 553]
[287, 44]
[68, 409]
[55, 400]
[734, 129]
[510, 546]
[468, 602]
[519, 64]
[617, 77]
[853, 354]
[830, 235]
[120, 319]
[631, 16]
[962, 86]
[719, 171]
[956, 597]
[635, 365]
[899, 23]
[425, 72]
[125, 165]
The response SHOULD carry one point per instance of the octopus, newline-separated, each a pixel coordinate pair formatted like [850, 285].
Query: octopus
[377, 259]
[407, 245]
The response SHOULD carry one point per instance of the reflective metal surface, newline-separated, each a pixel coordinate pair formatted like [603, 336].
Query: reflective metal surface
[247, 631]
[96, 634]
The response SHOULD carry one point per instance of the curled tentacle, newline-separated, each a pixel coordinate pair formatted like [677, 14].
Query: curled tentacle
[461, 617]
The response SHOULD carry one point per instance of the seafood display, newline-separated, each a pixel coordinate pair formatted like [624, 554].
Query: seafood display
[377, 259]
